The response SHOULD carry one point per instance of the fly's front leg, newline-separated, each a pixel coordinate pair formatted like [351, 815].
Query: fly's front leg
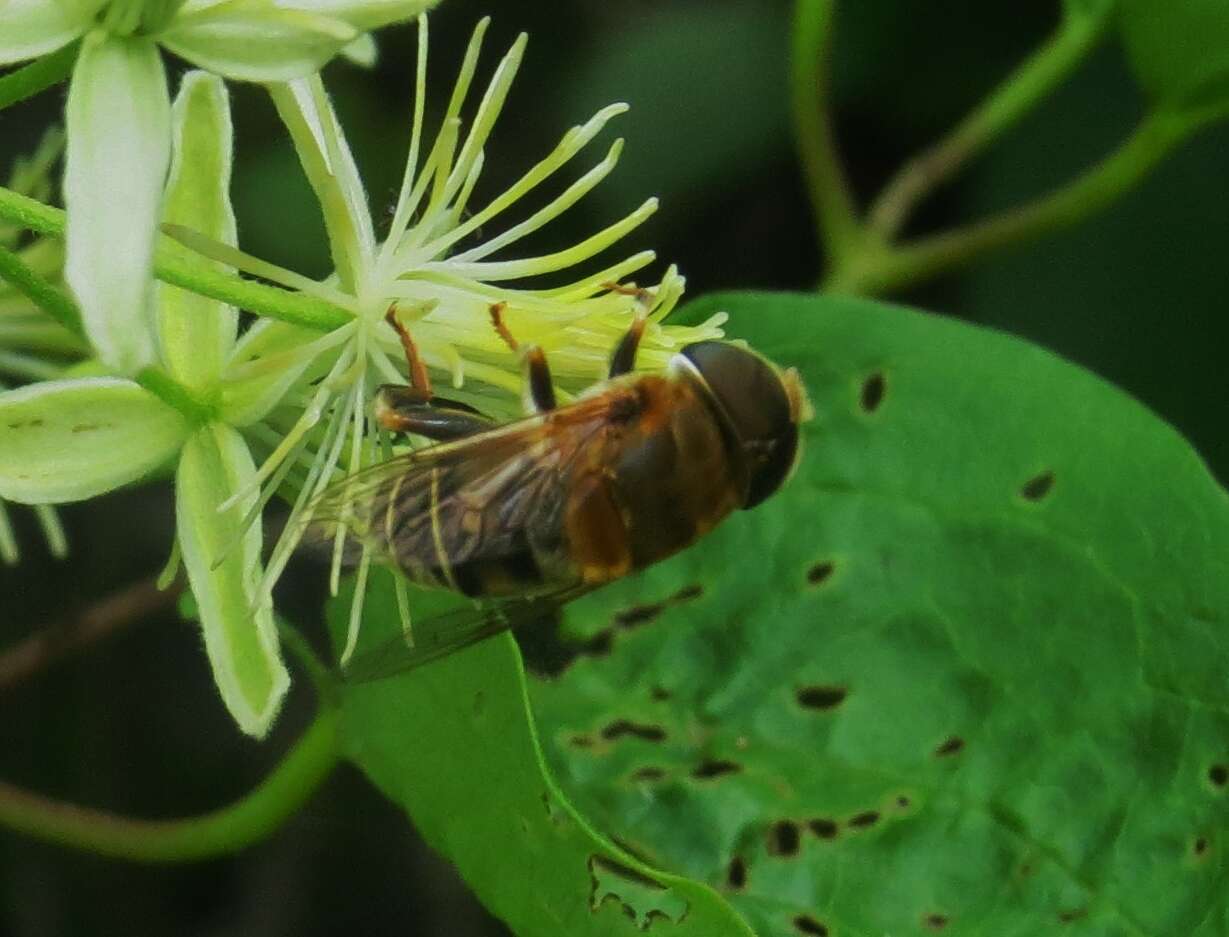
[623, 360]
[540, 390]
[414, 408]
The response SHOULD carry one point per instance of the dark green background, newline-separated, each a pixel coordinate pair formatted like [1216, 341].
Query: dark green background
[1137, 295]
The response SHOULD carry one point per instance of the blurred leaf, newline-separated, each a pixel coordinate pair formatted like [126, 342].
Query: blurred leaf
[1087, 8]
[454, 745]
[1179, 49]
[967, 672]
[70, 440]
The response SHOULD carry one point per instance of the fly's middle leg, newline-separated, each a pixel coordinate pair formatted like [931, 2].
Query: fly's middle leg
[623, 360]
[540, 390]
[414, 407]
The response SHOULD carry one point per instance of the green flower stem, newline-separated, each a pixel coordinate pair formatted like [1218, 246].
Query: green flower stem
[56, 303]
[39, 75]
[885, 269]
[1016, 96]
[176, 265]
[219, 833]
[838, 227]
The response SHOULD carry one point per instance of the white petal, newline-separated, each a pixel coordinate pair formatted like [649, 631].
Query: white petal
[30, 28]
[119, 144]
[362, 14]
[197, 332]
[255, 42]
[223, 563]
[70, 440]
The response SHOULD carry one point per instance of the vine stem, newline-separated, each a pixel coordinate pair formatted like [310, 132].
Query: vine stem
[176, 265]
[221, 832]
[1018, 94]
[39, 75]
[837, 225]
[1156, 135]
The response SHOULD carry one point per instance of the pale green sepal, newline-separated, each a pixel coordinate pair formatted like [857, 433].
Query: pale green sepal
[198, 333]
[223, 564]
[267, 361]
[254, 41]
[119, 145]
[362, 51]
[70, 440]
[30, 28]
[363, 14]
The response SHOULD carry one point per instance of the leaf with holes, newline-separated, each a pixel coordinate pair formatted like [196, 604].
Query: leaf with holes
[968, 672]
[453, 744]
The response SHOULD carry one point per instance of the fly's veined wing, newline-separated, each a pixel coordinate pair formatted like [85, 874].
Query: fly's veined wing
[474, 497]
[441, 635]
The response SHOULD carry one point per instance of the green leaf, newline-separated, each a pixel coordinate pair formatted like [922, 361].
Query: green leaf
[197, 332]
[453, 743]
[222, 558]
[1179, 49]
[254, 41]
[119, 143]
[70, 440]
[968, 671]
[30, 28]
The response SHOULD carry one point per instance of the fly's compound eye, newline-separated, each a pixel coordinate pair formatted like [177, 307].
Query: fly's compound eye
[758, 409]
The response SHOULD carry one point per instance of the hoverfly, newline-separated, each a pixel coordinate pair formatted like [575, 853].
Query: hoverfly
[535, 512]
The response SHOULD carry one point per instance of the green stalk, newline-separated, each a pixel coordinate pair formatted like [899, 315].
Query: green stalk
[56, 303]
[221, 832]
[892, 268]
[1018, 94]
[175, 265]
[837, 226]
[39, 75]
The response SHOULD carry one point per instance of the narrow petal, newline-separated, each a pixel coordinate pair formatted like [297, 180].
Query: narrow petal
[197, 332]
[30, 28]
[362, 14]
[70, 440]
[119, 144]
[255, 42]
[240, 635]
[363, 51]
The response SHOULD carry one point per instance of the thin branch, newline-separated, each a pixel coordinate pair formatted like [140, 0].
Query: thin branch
[55, 302]
[1018, 94]
[221, 832]
[101, 620]
[838, 228]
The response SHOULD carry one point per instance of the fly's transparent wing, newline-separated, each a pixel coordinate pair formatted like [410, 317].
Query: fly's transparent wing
[443, 634]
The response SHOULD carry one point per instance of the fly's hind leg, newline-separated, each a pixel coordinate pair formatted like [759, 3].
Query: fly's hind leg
[540, 391]
[414, 408]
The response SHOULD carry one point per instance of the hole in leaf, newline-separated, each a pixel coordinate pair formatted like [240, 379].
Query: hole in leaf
[873, 389]
[1068, 917]
[1200, 846]
[820, 572]
[648, 773]
[824, 828]
[865, 819]
[903, 802]
[784, 838]
[659, 694]
[715, 768]
[821, 697]
[581, 741]
[805, 924]
[622, 727]
[736, 875]
[639, 615]
[687, 593]
[936, 921]
[1038, 486]
[950, 747]
[600, 645]
[1219, 775]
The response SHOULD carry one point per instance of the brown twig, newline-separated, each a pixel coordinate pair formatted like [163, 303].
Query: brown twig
[106, 617]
